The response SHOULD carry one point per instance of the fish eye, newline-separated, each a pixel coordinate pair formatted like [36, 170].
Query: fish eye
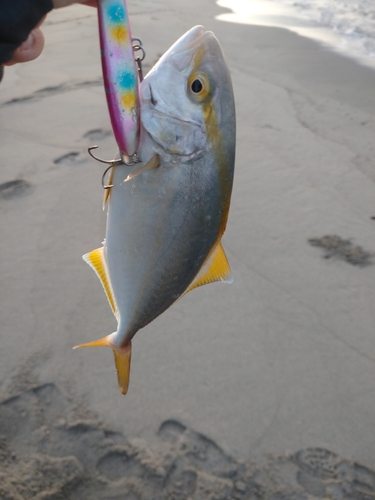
[199, 87]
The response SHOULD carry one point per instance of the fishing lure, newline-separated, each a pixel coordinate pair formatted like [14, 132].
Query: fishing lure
[120, 75]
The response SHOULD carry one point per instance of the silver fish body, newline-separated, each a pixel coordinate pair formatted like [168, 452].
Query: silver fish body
[166, 217]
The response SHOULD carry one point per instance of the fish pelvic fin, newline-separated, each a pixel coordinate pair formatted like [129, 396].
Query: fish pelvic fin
[215, 268]
[122, 360]
[96, 261]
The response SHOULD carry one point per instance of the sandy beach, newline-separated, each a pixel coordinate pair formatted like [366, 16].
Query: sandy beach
[261, 389]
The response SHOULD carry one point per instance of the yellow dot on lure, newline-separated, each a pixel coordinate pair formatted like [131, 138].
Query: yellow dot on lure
[119, 33]
[128, 100]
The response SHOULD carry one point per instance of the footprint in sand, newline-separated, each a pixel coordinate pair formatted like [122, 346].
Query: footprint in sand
[326, 475]
[71, 158]
[98, 134]
[338, 248]
[48, 451]
[12, 189]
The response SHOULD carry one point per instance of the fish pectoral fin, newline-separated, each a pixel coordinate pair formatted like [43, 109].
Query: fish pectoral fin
[153, 162]
[215, 268]
[122, 361]
[96, 260]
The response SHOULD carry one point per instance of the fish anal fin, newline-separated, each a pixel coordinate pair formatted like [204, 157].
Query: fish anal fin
[216, 268]
[95, 259]
[122, 361]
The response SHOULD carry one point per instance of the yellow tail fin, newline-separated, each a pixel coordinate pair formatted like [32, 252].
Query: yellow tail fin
[122, 360]
[104, 342]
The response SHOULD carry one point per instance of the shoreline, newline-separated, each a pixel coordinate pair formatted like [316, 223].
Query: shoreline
[268, 14]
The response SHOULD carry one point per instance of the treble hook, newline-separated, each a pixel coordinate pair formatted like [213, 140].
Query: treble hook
[108, 162]
[124, 160]
[106, 186]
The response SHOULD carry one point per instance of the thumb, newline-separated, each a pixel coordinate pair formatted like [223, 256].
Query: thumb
[30, 49]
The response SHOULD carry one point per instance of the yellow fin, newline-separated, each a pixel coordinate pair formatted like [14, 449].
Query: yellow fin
[95, 259]
[153, 162]
[107, 191]
[216, 268]
[103, 342]
[122, 361]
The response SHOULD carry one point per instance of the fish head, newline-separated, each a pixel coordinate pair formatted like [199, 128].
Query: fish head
[187, 97]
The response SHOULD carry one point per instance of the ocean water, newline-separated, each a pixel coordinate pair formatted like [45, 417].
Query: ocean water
[345, 25]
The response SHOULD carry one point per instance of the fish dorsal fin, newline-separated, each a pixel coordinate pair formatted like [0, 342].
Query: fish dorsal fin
[95, 259]
[216, 268]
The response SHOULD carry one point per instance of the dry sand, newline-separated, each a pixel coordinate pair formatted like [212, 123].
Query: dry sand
[280, 364]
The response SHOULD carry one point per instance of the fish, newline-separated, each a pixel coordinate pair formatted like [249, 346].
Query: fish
[120, 74]
[166, 216]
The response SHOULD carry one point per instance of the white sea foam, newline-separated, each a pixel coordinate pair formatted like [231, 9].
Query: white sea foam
[347, 25]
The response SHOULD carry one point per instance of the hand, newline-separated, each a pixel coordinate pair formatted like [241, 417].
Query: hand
[31, 48]
[64, 3]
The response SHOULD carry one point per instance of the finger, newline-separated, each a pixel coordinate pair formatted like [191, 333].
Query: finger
[30, 49]
[64, 3]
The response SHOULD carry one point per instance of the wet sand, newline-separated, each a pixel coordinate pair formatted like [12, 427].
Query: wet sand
[54, 449]
[279, 362]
